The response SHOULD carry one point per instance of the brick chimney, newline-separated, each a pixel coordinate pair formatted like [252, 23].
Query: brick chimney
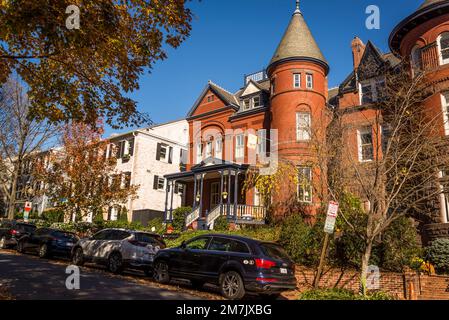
[358, 48]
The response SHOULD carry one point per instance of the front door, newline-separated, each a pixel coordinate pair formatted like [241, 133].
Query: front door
[214, 195]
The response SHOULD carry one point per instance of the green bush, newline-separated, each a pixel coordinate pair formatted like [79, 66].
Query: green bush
[158, 224]
[438, 254]
[341, 294]
[53, 215]
[221, 224]
[179, 218]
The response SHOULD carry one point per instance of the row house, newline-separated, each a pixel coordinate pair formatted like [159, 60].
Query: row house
[277, 111]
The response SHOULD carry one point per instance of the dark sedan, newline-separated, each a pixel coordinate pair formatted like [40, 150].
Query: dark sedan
[48, 242]
[11, 231]
[238, 265]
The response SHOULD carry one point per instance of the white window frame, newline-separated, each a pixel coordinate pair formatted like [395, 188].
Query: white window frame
[160, 183]
[297, 80]
[209, 149]
[305, 192]
[257, 200]
[218, 148]
[360, 145]
[246, 104]
[444, 200]
[440, 49]
[240, 146]
[167, 152]
[262, 142]
[199, 153]
[374, 83]
[445, 109]
[309, 80]
[303, 130]
[253, 100]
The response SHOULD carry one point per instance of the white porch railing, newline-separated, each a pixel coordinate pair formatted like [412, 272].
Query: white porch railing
[191, 218]
[213, 215]
[243, 214]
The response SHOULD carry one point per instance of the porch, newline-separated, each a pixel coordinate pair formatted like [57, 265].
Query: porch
[214, 189]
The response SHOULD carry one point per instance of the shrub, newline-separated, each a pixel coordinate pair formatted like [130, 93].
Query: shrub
[438, 255]
[342, 294]
[179, 218]
[53, 215]
[158, 224]
[221, 224]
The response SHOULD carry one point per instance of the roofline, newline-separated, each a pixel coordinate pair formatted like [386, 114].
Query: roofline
[291, 59]
[407, 24]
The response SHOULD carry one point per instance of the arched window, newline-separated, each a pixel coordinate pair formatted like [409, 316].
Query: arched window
[443, 44]
[415, 58]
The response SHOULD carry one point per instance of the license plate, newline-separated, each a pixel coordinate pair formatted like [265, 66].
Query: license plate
[284, 271]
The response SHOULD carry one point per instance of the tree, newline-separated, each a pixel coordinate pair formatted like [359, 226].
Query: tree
[81, 177]
[407, 155]
[21, 137]
[84, 74]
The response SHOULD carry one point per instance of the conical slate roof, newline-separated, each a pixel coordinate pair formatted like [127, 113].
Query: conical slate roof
[428, 3]
[298, 43]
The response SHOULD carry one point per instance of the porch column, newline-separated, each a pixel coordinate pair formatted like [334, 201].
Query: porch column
[194, 191]
[221, 191]
[201, 194]
[166, 202]
[229, 194]
[172, 190]
[236, 193]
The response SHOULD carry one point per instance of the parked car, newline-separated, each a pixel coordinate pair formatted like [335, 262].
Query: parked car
[12, 230]
[119, 249]
[237, 264]
[47, 242]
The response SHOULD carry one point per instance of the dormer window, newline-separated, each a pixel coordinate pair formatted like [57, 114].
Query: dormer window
[256, 102]
[250, 103]
[246, 104]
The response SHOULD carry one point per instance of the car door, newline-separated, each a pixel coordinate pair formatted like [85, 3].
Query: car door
[91, 246]
[33, 240]
[189, 257]
[216, 256]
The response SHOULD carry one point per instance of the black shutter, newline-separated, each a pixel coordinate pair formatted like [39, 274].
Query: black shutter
[170, 155]
[176, 188]
[158, 152]
[131, 147]
[156, 180]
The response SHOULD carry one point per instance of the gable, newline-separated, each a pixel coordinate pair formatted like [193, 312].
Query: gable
[251, 88]
[372, 62]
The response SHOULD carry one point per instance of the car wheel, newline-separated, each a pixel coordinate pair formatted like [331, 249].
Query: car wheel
[78, 257]
[43, 251]
[3, 243]
[115, 263]
[231, 285]
[161, 274]
[197, 284]
[20, 247]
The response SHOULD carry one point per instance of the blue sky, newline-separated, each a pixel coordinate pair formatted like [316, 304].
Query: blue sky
[235, 37]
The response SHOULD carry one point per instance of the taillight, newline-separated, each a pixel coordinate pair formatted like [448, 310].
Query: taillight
[14, 232]
[265, 264]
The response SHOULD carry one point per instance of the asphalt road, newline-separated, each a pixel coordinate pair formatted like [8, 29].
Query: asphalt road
[30, 278]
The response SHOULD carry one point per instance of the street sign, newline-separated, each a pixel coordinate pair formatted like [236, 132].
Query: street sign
[331, 219]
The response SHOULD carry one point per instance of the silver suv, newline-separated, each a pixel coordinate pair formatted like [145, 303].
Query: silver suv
[119, 249]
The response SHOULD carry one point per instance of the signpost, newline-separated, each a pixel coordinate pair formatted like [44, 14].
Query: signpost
[27, 209]
[329, 227]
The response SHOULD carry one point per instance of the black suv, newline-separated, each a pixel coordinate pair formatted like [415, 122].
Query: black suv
[11, 231]
[235, 263]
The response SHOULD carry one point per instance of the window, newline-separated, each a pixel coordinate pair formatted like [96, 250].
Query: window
[246, 104]
[199, 153]
[303, 125]
[209, 149]
[164, 153]
[179, 188]
[239, 146]
[365, 142]
[127, 180]
[445, 104]
[256, 102]
[219, 244]
[443, 43]
[371, 90]
[367, 93]
[444, 187]
[305, 185]
[386, 134]
[183, 160]
[198, 244]
[159, 183]
[262, 142]
[309, 81]
[415, 59]
[214, 195]
[297, 80]
[218, 149]
[210, 98]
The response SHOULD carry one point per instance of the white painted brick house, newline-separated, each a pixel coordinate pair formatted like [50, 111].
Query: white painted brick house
[145, 156]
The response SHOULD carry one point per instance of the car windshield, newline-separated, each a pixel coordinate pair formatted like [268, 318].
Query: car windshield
[274, 251]
[66, 235]
[25, 228]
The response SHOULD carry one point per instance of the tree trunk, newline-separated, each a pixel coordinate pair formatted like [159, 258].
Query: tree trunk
[12, 194]
[365, 264]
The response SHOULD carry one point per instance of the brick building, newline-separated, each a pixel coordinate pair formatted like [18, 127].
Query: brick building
[287, 105]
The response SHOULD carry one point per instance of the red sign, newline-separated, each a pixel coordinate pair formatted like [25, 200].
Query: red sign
[28, 206]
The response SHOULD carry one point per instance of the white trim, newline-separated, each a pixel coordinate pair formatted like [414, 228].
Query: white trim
[445, 109]
[440, 54]
[297, 76]
[309, 76]
[361, 131]
[303, 131]
[444, 202]
[240, 146]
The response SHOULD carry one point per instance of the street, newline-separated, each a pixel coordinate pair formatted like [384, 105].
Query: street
[28, 277]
